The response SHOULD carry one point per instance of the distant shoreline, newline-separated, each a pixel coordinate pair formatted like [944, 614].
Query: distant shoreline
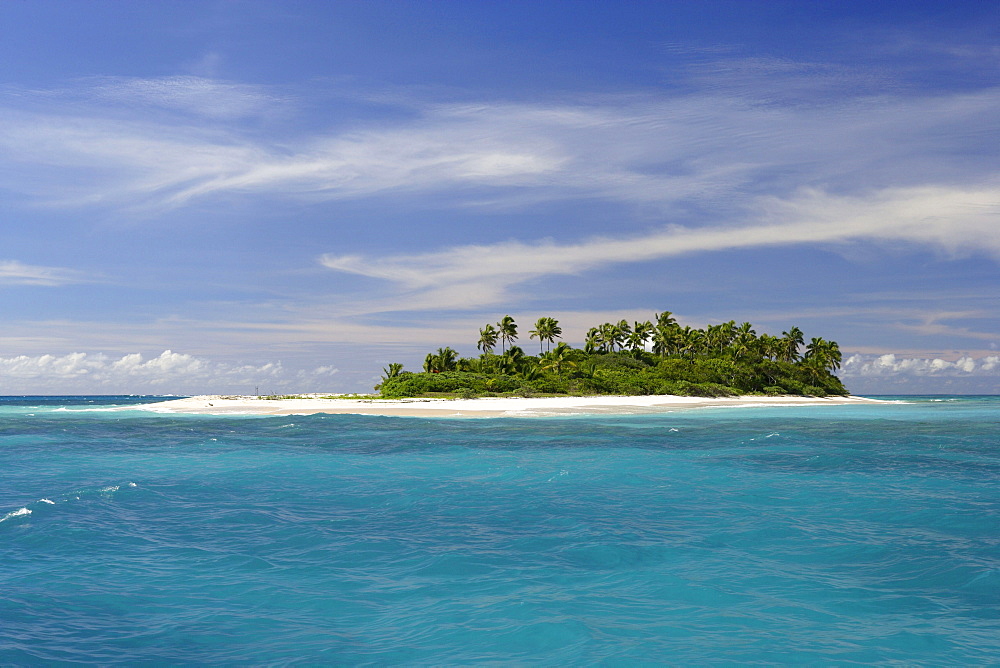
[478, 408]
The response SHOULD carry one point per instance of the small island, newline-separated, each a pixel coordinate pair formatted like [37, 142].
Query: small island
[645, 367]
[654, 357]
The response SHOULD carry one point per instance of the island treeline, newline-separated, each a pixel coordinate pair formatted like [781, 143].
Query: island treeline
[656, 356]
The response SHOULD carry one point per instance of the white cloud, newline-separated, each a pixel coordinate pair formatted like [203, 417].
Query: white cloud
[861, 366]
[930, 325]
[715, 144]
[197, 95]
[166, 365]
[133, 373]
[13, 272]
[955, 221]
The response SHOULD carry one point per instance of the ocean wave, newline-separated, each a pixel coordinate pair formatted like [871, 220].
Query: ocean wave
[20, 512]
[80, 495]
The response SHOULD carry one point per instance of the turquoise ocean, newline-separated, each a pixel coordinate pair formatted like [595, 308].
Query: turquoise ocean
[823, 535]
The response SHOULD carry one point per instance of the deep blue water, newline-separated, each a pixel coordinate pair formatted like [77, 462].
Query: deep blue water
[829, 535]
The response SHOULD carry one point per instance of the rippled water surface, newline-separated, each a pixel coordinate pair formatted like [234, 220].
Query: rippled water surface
[829, 534]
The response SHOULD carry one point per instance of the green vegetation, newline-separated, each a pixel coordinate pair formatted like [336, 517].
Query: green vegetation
[718, 361]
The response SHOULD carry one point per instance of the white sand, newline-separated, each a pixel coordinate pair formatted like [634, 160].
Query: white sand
[484, 407]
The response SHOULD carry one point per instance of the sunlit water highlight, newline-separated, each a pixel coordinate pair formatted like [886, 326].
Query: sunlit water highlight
[833, 534]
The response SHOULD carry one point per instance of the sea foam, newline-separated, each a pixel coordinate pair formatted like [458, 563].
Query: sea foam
[20, 512]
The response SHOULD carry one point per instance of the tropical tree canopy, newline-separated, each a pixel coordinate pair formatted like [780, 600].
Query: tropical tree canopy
[488, 339]
[445, 359]
[657, 356]
[790, 342]
[392, 370]
[508, 331]
[546, 330]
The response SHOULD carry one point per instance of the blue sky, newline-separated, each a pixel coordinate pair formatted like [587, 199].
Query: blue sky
[223, 196]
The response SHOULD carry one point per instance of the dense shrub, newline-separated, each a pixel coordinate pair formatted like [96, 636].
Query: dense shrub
[414, 384]
[710, 390]
[617, 361]
[627, 374]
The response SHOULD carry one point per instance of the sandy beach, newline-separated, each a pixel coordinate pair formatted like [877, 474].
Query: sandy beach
[473, 408]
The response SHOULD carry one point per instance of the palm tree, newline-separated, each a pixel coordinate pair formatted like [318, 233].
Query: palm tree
[718, 337]
[728, 330]
[558, 358]
[690, 341]
[635, 341]
[505, 365]
[814, 368]
[624, 330]
[539, 332]
[392, 370]
[769, 346]
[597, 339]
[790, 342]
[745, 342]
[815, 348]
[641, 333]
[741, 347]
[834, 356]
[555, 332]
[824, 354]
[487, 339]
[712, 337]
[666, 320]
[508, 331]
[515, 353]
[663, 340]
[447, 359]
[610, 335]
[546, 329]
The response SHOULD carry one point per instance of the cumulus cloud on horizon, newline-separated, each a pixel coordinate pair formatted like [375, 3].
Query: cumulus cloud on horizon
[133, 373]
[892, 365]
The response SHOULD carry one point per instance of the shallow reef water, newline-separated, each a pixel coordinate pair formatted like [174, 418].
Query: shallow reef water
[810, 534]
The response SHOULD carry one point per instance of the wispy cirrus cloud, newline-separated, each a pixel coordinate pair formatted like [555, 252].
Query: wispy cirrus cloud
[199, 96]
[953, 221]
[937, 325]
[719, 142]
[13, 272]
